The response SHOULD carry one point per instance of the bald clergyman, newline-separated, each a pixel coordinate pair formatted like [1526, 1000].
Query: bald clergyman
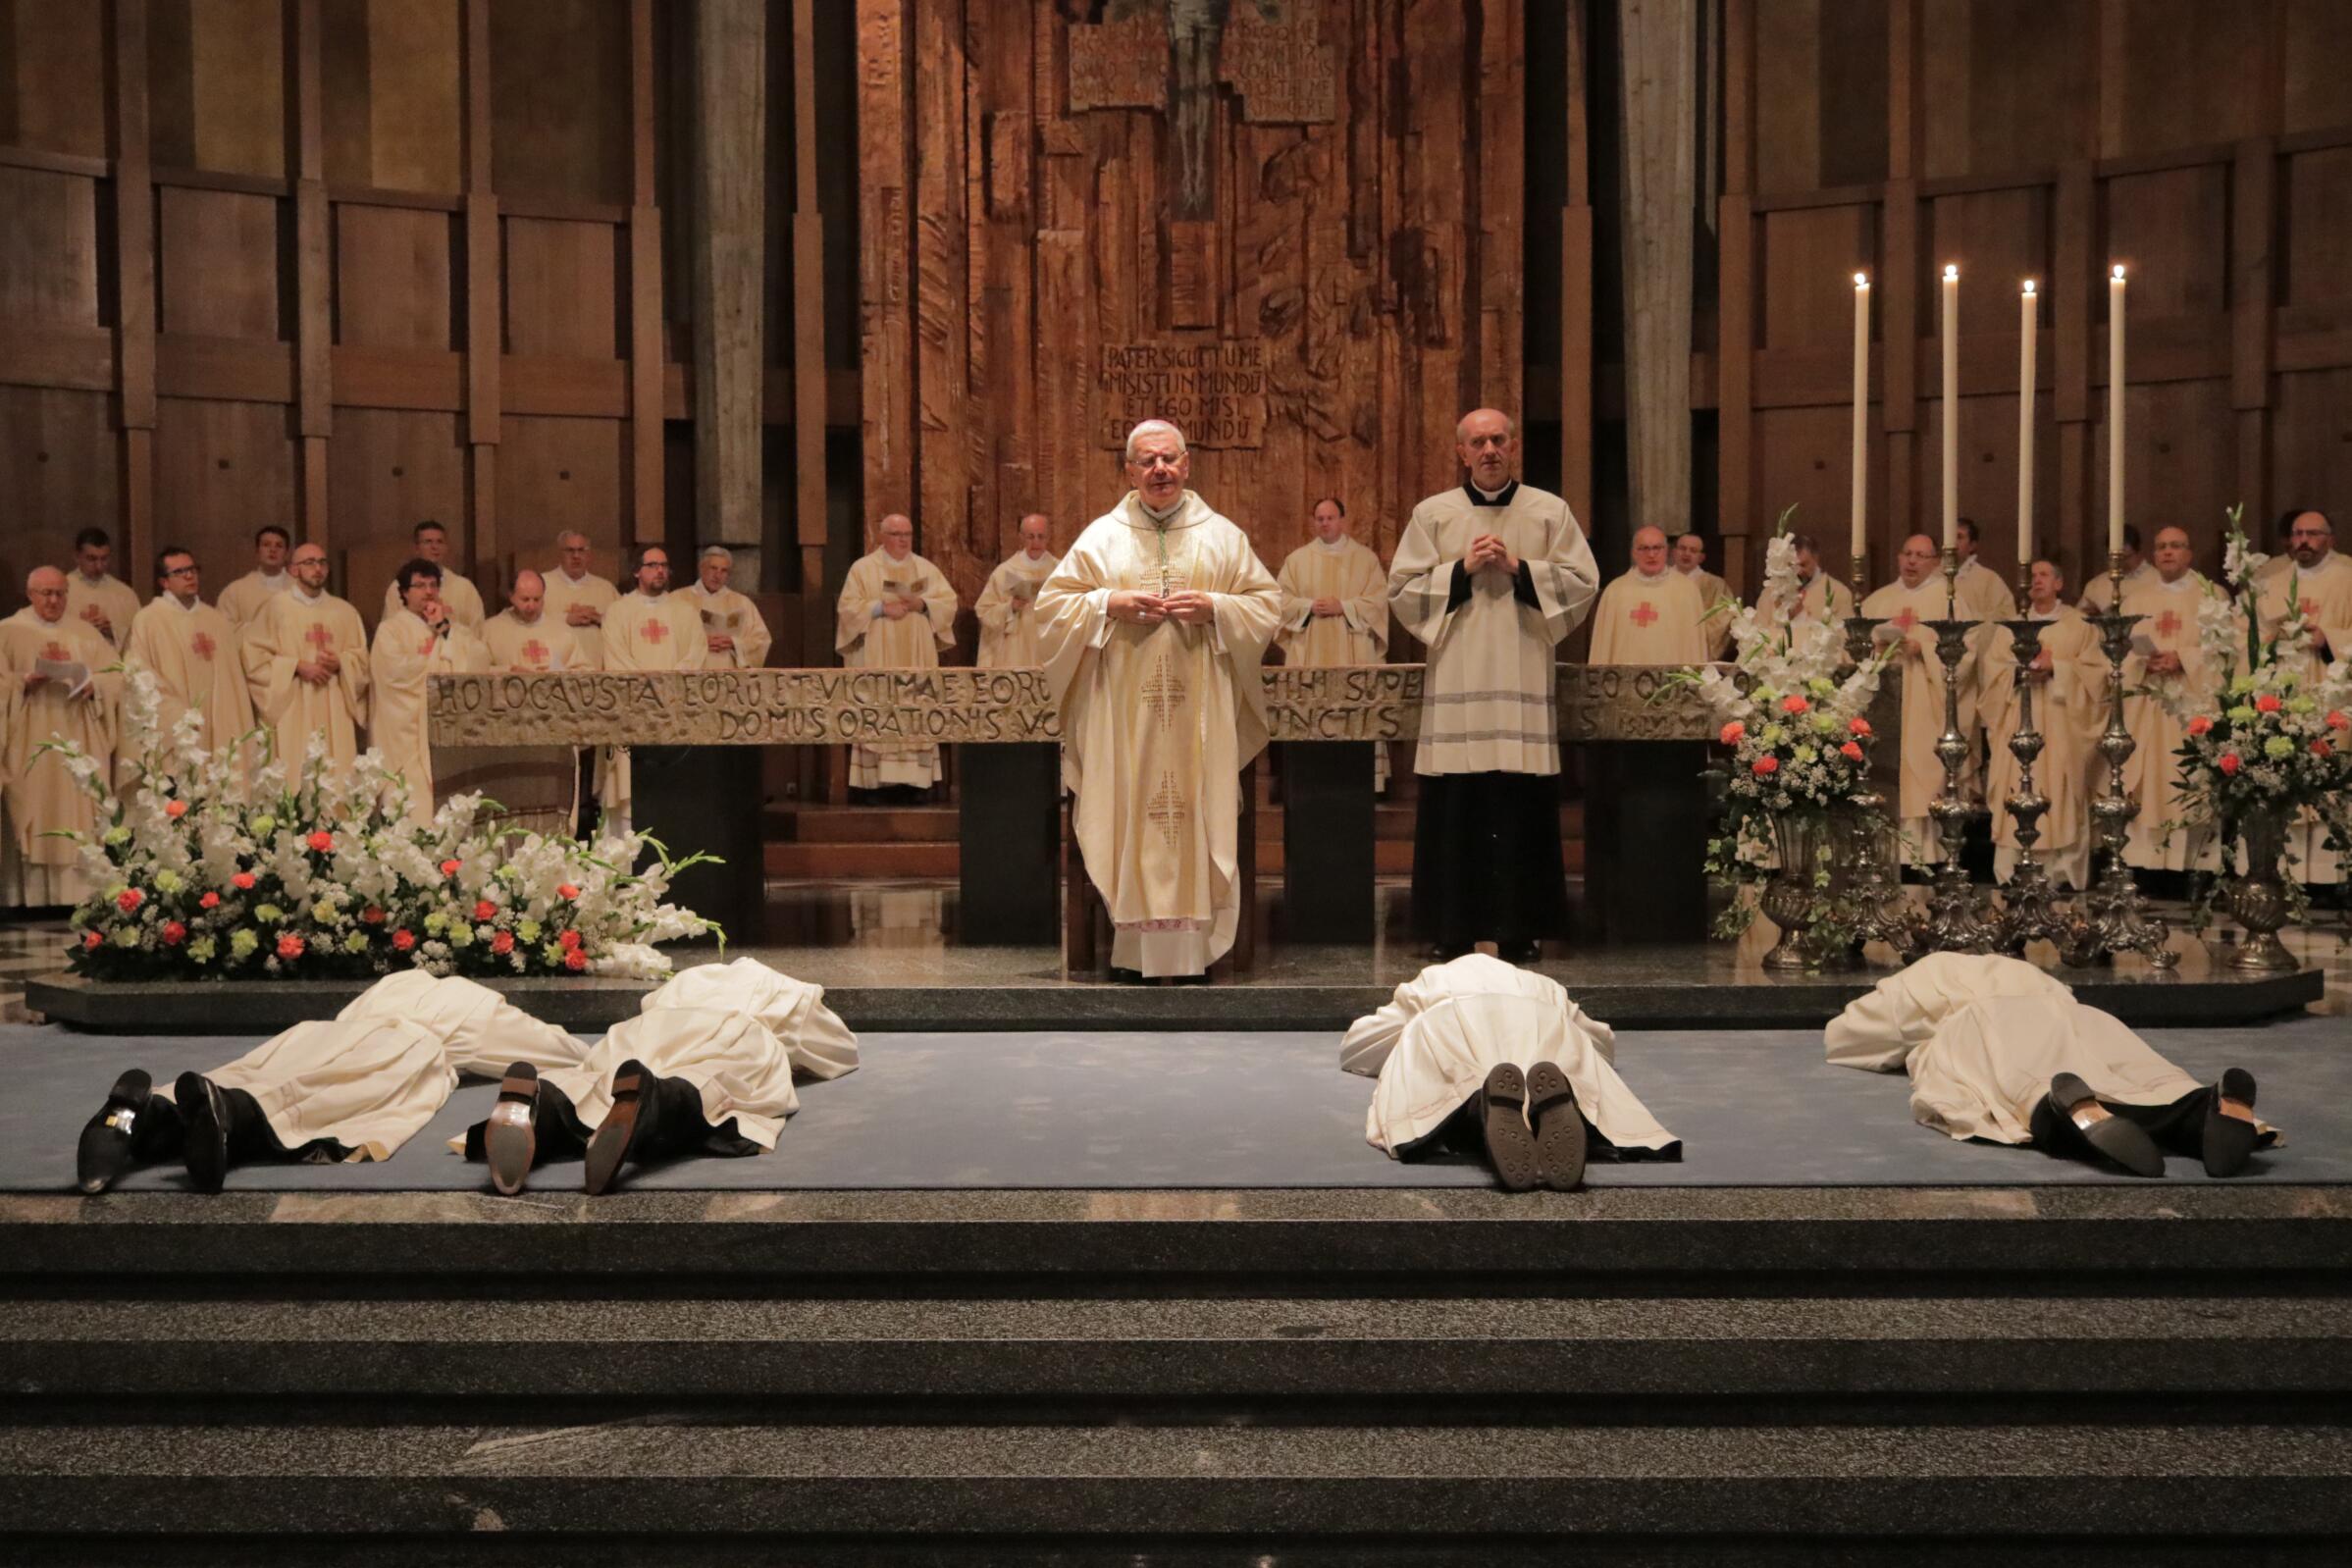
[1651, 614]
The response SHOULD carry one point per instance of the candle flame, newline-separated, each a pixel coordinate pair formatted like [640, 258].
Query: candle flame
[2119, 272]
[2029, 285]
[1861, 279]
[1950, 274]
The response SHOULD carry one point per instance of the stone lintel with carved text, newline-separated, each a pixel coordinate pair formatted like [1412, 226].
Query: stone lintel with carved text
[983, 706]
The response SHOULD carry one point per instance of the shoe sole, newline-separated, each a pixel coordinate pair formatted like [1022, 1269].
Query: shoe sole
[2228, 1141]
[207, 1138]
[510, 1144]
[608, 1149]
[1510, 1146]
[1559, 1128]
[104, 1152]
[2122, 1141]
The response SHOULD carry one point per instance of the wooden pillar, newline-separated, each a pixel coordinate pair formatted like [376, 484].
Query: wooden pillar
[484, 332]
[2254, 219]
[1897, 291]
[729, 250]
[2071, 268]
[1660, 40]
[809, 345]
[134, 277]
[1575, 286]
[1735, 302]
[645, 292]
[313, 281]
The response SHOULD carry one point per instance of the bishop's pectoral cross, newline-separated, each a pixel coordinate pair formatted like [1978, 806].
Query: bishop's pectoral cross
[1642, 615]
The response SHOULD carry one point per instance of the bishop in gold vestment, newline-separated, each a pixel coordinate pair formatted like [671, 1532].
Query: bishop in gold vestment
[2165, 660]
[1152, 631]
[40, 793]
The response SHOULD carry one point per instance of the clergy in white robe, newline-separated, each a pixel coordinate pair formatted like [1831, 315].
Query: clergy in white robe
[1917, 596]
[734, 636]
[649, 630]
[306, 664]
[2165, 661]
[354, 1088]
[415, 643]
[51, 690]
[1490, 578]
[463, 598]
[2068, 686]
[896, 612]
[1714, 594]
[1978, 587]
[578, 598]
[526, 637]
[194, 654]
[2320, 582]
[1652, 614]
[1819, 588]
[2099, 590]
[1152, 631]
[242, 600]
[96, 597]
[1335, 605]
[1432, 1045]
[1007, 608]
[1982, 1037]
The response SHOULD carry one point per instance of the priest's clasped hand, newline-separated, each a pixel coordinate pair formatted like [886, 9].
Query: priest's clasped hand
[1189, 607]
[1489, 550]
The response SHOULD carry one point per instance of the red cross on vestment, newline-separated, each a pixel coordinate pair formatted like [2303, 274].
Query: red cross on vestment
[424, 650]
[319, 636]
[535, 652]
[201, 645]
[1908, 619]
[2168, 624]
[1642, 614]
[56, 653]
[653, 631]
[2310, 608]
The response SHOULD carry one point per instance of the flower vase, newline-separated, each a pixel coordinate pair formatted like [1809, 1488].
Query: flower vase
[2258, 896]
[1803, 841]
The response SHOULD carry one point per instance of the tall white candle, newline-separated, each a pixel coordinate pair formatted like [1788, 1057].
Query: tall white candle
[2114, 413]
[1950, 320]
[1858, 510]
[2026, 323]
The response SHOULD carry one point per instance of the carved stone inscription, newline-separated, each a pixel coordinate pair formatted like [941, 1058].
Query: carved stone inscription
[1215, 390]
[743, 707]
[1628, 702]
[1359, 702]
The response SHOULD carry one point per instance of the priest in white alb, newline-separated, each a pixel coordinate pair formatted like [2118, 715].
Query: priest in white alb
[648, 630]
[578, 598]
[2100, 590]
[2321, 581]
[1689, 555]
[734, 635]
[2068, 686]
[242, 600]
[1007, 608]
[1979, 588]
[1650, 615]
[2165, 661]
[1819, 588]
[896, 612]
[1907, 604]
[525, 636]
[94, 596]
[306, 666]
[1152, 631]
[462, 599]
[51, 690]
[1335, 605]
[192, 651]
[1491, 577]
[416, 642]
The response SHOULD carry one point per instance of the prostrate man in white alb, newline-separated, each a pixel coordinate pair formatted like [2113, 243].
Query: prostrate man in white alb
[896, 612]
[416, 642]
[306, 664]
[93, 596]
[1152, 632]
[194, 654]
[51, 690]
[1907, 604]
[733, 634]
[1689, 555]
[242, 600]
[463, 598]
[1335, 605]
[577, 597]
[1650, 615]
[524, 638]
[2068, 680]
[2321, 581]
[1007, 607]
[1490, 578]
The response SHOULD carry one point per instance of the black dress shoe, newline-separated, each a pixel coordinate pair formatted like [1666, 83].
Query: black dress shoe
[1558, 1127]
[510, 1138]
[2228, 1141]
[110, 1139]
[204, 1130]
[636, 1110]
[1447, 952]
[1510, 1145]
[1529, 952]
[2125, 1142]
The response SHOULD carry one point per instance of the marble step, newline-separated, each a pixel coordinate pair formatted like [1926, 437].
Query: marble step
[1237, 1348]
[2093, 1484]
[1848, 1240]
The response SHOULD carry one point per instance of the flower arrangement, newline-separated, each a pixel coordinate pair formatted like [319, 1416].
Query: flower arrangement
[219, 866]
[1794, 718]
[2269, 732]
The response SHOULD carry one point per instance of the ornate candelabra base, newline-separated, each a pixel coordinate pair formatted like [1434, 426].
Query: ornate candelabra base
[1958, 919]
[2114, 919]
[2030, 909]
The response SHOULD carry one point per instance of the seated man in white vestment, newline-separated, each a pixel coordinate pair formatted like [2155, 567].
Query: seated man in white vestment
[1997, 1050]
[1152, 631]
[353, 1087]
[1482, 1057]
[706, 1066]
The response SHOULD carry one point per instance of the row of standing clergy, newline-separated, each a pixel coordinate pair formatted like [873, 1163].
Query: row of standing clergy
[283, 654]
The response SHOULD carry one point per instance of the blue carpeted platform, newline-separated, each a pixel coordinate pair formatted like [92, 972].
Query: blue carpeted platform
[1231, 1109]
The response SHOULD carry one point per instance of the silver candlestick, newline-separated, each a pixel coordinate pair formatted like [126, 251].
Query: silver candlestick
[1956, 917]
[2115, 919]
[2029, 905]
[1873, 890]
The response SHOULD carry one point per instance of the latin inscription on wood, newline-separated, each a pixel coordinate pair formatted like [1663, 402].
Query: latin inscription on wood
[1215, 390]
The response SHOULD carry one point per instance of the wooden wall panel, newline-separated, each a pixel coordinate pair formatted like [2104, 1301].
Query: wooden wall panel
[2312, 454]
[48, 247]
[2172, 230]
[217, 85]
[560, 100]
[388, 71]
[1809, 258]
[2179, 462]
[392, 272]
[2188, 72]
[2319, 228]
[218, 264]
[59, 473]
[556, 474]
[53, 78]
[2000, 238]
[561, 281]
[221, 469]
[2318, 90]
[387, 471]
[2011, 85]
[1821, 94]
